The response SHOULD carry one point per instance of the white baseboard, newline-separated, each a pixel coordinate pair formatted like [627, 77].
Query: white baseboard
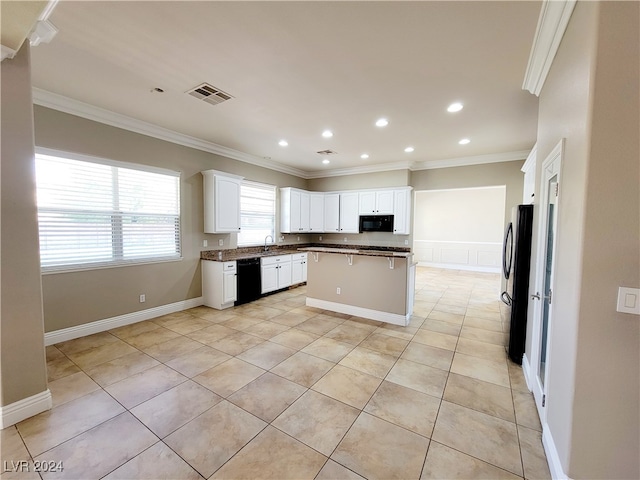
[387, 317]
[526, 370]
[553, 459]
[98, 326]
[455, 266]
[25, 408]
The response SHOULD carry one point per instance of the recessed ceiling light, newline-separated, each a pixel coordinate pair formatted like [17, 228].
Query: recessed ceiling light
[364, 156]
[283, 143]
[464, 141]
[327, 134]
[409, 149]
[454, 107]
[326, 161]
[382, 122]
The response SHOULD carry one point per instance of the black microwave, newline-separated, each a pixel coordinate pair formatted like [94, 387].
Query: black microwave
[376, 223]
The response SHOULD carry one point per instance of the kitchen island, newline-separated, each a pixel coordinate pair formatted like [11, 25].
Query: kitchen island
[374, 284]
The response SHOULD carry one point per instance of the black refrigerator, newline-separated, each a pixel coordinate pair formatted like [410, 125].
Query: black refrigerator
[516, 259]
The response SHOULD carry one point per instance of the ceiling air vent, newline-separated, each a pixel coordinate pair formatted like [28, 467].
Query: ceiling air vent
[326, 152]
[209, 93]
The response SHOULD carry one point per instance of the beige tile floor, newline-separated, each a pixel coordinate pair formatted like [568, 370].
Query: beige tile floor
[275, 389]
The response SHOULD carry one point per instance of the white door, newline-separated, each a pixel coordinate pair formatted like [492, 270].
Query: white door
[316, 212]
[304, 212]
[269, 278]
[349, 217]
[384, 202]
[284, 274]
[227, 204]
[229, 287]
[543, 300]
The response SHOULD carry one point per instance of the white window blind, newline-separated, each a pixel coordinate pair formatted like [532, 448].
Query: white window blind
[257, 213]
[94, 214]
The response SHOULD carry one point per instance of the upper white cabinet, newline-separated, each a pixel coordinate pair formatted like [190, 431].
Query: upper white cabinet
[332, 212]
[316, 212]
[294, 210]
[402, 211]
[339, 212]
[349, 216]
[221, 193]
[376, 202]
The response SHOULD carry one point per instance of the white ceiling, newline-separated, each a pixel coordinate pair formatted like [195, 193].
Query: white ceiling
[297, 68]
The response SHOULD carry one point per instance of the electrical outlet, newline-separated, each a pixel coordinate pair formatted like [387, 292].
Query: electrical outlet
[143, 298]
[345, 239]
[298, 239]
[221, 242]
[406, 242]
[338, 290]
[320, 237]
[205, 243]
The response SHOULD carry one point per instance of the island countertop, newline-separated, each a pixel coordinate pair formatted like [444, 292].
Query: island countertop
[358, 251]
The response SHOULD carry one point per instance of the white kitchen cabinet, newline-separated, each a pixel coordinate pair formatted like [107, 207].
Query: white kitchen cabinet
[298, 268]
[529, 169]
[332, 212]
[275, 272]
[402, 211]
[221, 192]
[349, 216]
[219, 289]
[376, 202]
[316, 212]
[294, 210]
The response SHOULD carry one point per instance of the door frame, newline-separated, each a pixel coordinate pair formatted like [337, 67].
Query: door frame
[550, 167]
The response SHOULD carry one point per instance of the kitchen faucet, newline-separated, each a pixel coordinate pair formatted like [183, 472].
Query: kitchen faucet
[266, 248]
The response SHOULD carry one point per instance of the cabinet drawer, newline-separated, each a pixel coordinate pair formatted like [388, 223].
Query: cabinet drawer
[299, 256]
[275, 260]
[228, 266]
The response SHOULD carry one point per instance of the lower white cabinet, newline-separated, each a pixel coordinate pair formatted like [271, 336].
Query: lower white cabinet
[298, 268]
[275, 272]
[219, 288]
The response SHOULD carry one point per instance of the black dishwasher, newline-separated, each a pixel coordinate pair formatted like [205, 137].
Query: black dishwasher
[249, 284]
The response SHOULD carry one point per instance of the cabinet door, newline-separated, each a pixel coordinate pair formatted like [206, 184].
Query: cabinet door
[367, 203]
[227, 204]
[304, 269]
[296, 272]
[295, 211]
[316, 212]
[332, 212]
[349, 216]
[229, 287]
[402, 212]
[269, 277]
[284, 274]
[304, 212]
[384, 202]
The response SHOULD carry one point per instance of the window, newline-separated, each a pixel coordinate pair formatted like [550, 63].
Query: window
[257, 213]
[103, 214]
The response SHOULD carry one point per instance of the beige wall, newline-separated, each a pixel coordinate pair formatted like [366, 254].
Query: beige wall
[393, 178]
[388, 293]
[76, 298]
[591, 99]
[22, 360]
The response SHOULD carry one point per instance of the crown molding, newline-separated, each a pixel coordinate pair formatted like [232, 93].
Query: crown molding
[476, 160]
[91, 112]
[6, 52]
[552, 23]
[338, 172]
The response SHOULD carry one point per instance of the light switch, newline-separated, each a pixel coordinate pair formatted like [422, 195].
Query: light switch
[628, 300]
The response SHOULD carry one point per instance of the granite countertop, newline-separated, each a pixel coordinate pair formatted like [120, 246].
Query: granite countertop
[230, 255]
[370, 252]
